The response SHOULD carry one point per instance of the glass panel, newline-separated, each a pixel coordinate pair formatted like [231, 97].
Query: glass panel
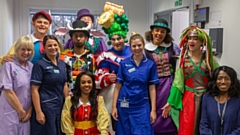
[60, 19]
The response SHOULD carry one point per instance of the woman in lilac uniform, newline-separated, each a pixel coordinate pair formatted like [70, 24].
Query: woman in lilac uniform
[15, 101]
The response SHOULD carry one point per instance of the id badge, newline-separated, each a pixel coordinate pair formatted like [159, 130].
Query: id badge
[131, 70]
[124, 104]
[56, 71]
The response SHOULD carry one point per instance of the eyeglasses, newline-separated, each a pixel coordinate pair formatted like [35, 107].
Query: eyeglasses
[118, 39]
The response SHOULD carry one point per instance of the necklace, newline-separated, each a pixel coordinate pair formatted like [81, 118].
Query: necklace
[221, 116]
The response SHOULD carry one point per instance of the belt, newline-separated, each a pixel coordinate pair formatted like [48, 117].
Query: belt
[193, 90]
[84, 124]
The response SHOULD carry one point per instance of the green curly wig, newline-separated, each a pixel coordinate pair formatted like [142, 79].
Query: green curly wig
[118, 27]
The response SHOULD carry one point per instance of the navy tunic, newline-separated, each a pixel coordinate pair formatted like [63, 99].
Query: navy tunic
[51, 79]
[210, 121]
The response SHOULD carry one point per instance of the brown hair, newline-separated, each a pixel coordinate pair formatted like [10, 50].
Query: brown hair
[47, 37]
[148, 36]
[136, 36]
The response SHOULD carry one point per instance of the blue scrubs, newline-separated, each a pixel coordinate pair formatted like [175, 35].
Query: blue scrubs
[51, 79]
[135, 80]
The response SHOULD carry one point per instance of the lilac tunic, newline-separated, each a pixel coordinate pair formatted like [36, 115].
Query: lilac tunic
[17, 78]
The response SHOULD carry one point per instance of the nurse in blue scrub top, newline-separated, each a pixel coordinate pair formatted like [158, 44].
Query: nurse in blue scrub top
[136, 80]
[48, 87]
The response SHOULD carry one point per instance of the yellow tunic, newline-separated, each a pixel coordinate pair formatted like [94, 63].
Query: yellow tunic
[102, 122]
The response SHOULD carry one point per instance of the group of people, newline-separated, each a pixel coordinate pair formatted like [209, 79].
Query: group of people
[157, 88]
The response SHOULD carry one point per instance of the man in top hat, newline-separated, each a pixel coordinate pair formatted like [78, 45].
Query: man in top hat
[41, 22]
[78, 58]
[95, 44]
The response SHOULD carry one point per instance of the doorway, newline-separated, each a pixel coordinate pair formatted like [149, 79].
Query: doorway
[178, 20]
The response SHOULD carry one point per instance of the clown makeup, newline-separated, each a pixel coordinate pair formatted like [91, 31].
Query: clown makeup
[114, 39]
[117, 42]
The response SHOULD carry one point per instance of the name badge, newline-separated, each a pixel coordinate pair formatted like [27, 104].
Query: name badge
[56, 71]
[124, 104]
[131, 70]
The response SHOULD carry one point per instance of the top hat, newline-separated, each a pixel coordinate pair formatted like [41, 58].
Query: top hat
[44, 14]
[79, 26]
[84, 12]
[161, 23]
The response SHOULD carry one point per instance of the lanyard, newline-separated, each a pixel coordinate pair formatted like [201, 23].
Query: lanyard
[221, 116]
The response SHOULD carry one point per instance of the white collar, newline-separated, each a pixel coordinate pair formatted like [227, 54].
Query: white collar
[81, 103]
[152, 47]
[33, 38]
[80, 55]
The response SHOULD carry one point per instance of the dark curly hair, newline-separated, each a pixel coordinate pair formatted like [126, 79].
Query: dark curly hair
[149, 37]
[92, 97]
[234, 90]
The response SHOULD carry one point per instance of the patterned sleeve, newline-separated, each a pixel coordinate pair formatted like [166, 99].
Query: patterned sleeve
[102, 73]
[66, 119]
[6, 81]
[103, 119]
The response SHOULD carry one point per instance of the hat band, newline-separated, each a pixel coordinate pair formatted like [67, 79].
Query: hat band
[160, 24]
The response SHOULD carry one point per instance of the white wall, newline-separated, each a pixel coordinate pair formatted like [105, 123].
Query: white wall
[136, 11]
[230, 24]
[6, 25]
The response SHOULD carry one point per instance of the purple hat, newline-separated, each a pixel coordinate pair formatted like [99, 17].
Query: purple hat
[84, 12]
